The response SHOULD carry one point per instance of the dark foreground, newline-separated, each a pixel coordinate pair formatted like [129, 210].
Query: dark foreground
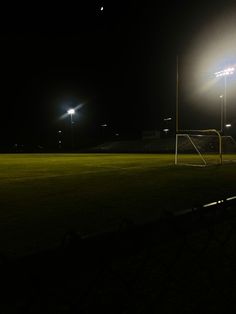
[183, 264]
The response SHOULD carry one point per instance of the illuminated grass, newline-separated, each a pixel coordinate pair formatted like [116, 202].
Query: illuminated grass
[43, 196]
[210, 159]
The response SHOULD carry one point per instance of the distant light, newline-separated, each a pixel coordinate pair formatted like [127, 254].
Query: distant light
[221, 96]
[228, 71]
[117, 134]
[166, 130]
[210, 204]
[71, 111]
[104, 125]
[59, 131]
[228, 125]
[231, 198]
[102, 8]
[167, 119]
[59, 142]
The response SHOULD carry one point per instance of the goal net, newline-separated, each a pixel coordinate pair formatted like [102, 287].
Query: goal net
[228, 149]
[203, 148]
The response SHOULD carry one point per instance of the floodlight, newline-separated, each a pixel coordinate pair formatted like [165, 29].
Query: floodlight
[71, 111]
[224, 73]
[228, 71]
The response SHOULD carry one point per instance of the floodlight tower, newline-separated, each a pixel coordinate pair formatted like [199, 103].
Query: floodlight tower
[224, 73]
[71, 112]
[103, 133]
[221, 112]
[177, 97]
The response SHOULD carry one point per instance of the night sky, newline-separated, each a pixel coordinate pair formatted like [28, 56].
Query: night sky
[117, 63]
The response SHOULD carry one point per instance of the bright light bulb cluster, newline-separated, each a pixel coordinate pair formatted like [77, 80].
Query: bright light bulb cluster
[71, 111]
[224, 72]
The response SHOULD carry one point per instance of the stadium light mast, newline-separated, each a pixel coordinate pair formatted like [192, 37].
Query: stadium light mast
[224, 73]
[177, 96]
[71, 112]
[221, 112]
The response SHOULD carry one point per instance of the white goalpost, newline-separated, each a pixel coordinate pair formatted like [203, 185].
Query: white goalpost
[204, 147]
[228, 148]
[198, 147]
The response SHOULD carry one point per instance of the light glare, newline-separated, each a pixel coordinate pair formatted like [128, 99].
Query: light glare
[71, 111]
[228, 71]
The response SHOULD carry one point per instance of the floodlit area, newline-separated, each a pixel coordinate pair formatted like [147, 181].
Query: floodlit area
[43, 196]
[118, 157]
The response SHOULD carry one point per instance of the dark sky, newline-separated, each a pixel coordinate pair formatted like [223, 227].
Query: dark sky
[119, 63]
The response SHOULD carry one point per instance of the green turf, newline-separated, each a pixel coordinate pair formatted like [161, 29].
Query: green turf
[43, 196]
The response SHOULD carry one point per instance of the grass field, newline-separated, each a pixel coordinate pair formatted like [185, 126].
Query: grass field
[43, 196]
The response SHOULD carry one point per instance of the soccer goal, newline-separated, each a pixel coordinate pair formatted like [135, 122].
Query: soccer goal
[204, 147]
[228, 149]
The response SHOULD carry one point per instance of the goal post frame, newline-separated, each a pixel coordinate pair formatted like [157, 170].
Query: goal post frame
[187, 133]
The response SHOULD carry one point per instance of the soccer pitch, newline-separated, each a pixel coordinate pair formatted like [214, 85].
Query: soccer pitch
[43, 196]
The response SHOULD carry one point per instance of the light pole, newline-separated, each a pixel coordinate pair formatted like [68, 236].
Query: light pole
[221, 112]
[103, 126]
[71, 112]
[177, 97]
[224, 73]
[59, 139]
